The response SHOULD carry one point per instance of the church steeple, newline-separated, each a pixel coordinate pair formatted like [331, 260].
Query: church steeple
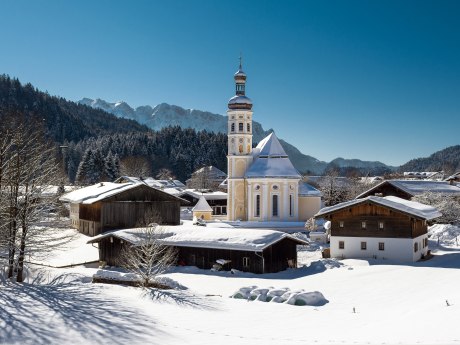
[240, 101]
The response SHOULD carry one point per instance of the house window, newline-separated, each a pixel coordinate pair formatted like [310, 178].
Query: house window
[381, 246]
[290, 205]
[233, 127]
[341, 224]
[363, 225]
[249, 128]
[363, 245]
[415, 247]
[381, 225]
[275, 206]
[341, 244]
[240, 126]
[257, 210]
[245, 261]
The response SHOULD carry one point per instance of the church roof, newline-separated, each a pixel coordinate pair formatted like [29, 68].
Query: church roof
[270, 146]
[202, 205]
[270, 160]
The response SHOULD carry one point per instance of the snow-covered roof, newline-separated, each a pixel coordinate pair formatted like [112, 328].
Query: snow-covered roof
[408, 207]
[151, 182]
[206, 237]
[415, 187]
[202, 205]
[217, 195]
[224, 184]
[212, 172]
[239, 100]
[455, 176]
[97, 192]
[306, 189]
[270, 160]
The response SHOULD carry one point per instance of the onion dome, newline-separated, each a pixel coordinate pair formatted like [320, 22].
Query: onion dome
[240, 101]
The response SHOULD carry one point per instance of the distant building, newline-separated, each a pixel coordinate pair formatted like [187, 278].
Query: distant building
[216, 200]
[248, 250]
[454, 179]
[262, 183]
[208, 177]
[202, 210]
[424, 175]
[379, 227]
[406, 189]
[105, 206]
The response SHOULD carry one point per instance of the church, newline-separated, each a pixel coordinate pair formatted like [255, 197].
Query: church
[262, 184]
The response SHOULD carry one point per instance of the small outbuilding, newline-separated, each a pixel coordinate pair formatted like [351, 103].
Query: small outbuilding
[379, 227]
[105, 206]
[202, 210]
[249, 250]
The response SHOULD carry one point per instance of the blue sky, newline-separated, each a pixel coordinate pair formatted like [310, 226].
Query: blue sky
[374, 80]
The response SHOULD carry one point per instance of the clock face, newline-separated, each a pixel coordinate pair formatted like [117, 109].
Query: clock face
[257, 187]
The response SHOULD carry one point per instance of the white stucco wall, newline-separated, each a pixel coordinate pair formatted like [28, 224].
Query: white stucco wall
[400, 249]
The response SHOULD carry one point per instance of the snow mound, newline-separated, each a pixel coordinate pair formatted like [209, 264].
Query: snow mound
[284, 295]
[446, 233]
[117, 275]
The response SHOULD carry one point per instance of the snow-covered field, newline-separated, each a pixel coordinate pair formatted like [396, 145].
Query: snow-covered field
[393, 304]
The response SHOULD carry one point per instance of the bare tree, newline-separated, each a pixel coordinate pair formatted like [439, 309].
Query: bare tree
[149, 257]
[29, 168]
[164, 174]
[135, 166]
[448, 205]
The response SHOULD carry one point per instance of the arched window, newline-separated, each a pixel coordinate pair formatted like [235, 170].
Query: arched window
[233, 127]
[249, 128]
[275, 205]
[240, 126]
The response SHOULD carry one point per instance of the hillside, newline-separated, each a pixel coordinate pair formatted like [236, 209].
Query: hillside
[447, 159]
[164, 115]
[64, 120]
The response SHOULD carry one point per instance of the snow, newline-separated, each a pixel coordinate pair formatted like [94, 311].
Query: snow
[415, 187]
[284, 295]
[393, 202]
[353, 302]
[306, 189]
[270, 146]
[270, 160]
[240, 100]
[188, 235]
[97, 192]
[216, 195]
[202, 205]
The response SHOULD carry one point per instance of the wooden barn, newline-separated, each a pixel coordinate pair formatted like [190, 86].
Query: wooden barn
[379, 227]
[107, 206]
[249, 250]
[406, 189]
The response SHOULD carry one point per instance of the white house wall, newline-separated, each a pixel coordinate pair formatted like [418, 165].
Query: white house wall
[400, 249]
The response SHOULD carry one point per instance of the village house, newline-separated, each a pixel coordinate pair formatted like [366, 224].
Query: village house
[217, 200]
[379, 227]
[105, 206]
[248, 250]
[406, 189]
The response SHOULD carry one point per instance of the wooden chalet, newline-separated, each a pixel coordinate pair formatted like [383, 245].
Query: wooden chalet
[248, 250]
[406, 189]
[107, 206]
[379, 227]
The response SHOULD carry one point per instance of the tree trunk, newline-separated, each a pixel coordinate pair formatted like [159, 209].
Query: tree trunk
[20, 276]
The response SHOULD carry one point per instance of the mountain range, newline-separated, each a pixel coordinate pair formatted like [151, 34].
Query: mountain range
[164, 115]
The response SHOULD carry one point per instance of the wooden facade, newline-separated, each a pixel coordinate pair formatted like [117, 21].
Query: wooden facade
[379, 221]
[127, 209]
[275, 258]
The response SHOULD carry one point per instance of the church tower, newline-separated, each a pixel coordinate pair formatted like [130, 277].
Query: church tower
[239, 155]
